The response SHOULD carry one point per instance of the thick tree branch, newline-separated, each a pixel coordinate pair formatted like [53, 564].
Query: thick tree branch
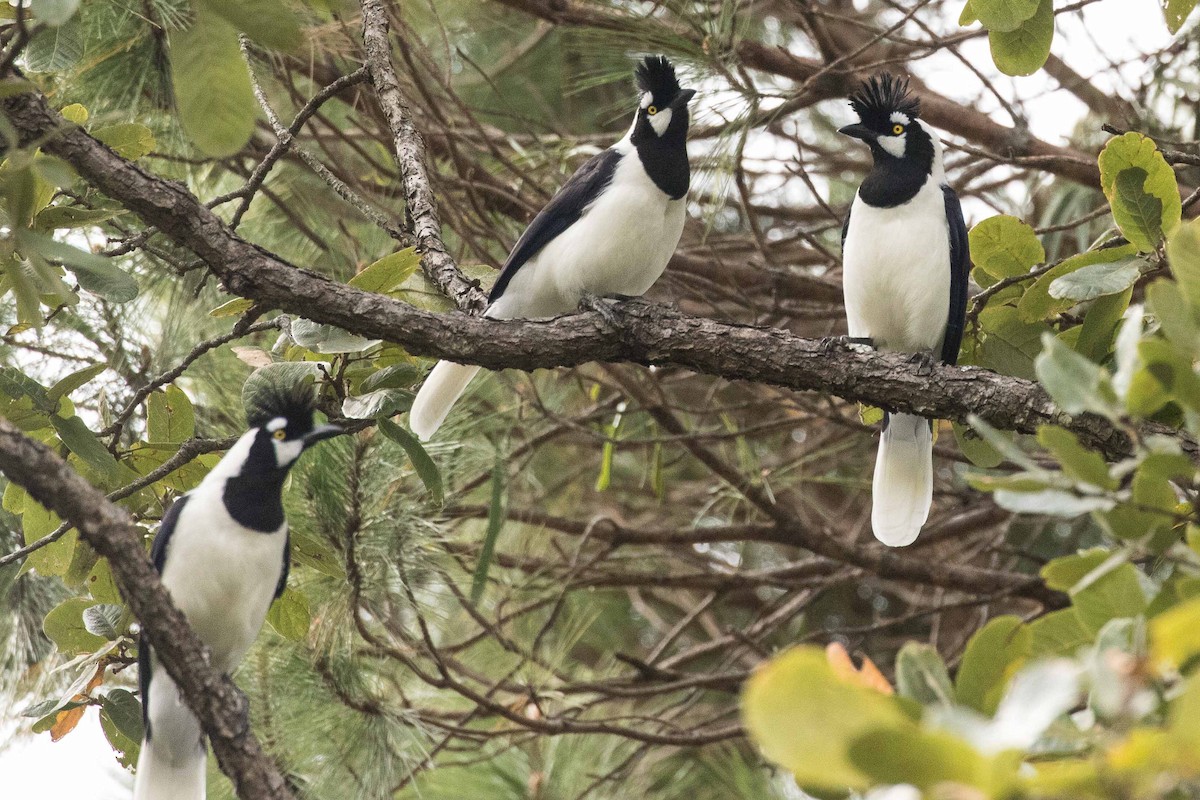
[648, 334]
[220, 706]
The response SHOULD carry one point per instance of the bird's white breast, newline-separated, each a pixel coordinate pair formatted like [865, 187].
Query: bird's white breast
[620, 245]
[896, 271]
[221, 574]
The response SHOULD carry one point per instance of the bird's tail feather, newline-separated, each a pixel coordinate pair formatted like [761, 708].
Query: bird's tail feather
[903, 487]
[161, 778]
[445, 384]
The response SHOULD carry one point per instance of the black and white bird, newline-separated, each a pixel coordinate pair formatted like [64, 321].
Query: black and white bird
[609, 231]
[904, 276]
[222, 551]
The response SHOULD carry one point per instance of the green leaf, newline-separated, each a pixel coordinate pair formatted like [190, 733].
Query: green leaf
[1176, 318]
[976, 448]
[1003, 15]
[73, 381]
[1010, 345]
[128, 140]
[379, 403]
[496, 513]
[1096, 280]
[59, 217]
[170, 416]
[289, 615]
[397, 376]
[1112, 590]
[920, 758]
[422, 463]
[1078, 462]
[1175, 12]
[1175, 634]
[55, 49]
[65, 627]
[993, 655]
[1075, 383]
[75, 112]
[388, 272]
[1024, 50]
[232, 308]
[322, 338]
[1051, 502]
[968, 16]
[101, 584]
[922, 676]
[1061, 574]
[270, 23]
[1005, 247]
[95, 273]
[1059, 633]
[1183, 254]
[1141, 188]
[121, 721]
[75, 434]
[806, 719]
[102, 620]
[1100, 325]
[16, 384]
[54, 12]
[213, 96]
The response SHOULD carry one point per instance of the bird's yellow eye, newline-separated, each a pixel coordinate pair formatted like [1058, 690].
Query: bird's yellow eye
[897, 129]
[281, 434]
[652, 110]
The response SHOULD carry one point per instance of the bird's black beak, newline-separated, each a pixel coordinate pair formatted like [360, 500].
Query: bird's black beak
[859, 131]
[683, 98]
[321, 432]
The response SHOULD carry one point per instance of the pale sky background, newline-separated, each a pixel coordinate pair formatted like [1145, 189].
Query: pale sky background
[82, 767]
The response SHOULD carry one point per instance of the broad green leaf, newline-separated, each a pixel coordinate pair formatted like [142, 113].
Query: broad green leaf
[1175, 12]
[379, 403]
[968, 16]
[128, 140]
[1176, 318]
[1096, 280]
[95, 273]
[1110, 591]
[74, 381]
[1183, 254]
[427, 471]
[992, 656]
[16, 384]
[922, 676]
[1075, 383]
[54, 218]
[65, 627]
[1100, 325]
[1005, 247]
[271, 23]
[1175, 634]
[1023, 50]
[38, 522]
[921, 758]
[232, 308]
[1003, 15]
[327, 338]
[170, 416]
[1078, 462]
[1062, 573]
[1059, 633]
[388, 272]
[1141, 188]
[1166, 374]
[976, 448]
[75, 434]
[53, 12]
[1010, 345]
[806, 719]
[55, 49]
[1151, 506]
[496, 514]
[1051, 502]
[75, 112]
[103, 620]
[101, 584]
[398, 376]
[121, 720]
[289, 615]
[213, 96]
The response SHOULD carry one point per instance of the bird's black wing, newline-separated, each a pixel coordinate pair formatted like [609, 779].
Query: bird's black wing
[960, 268]
[158, 554]
[563, 211]
[287, 564]
[845, 229]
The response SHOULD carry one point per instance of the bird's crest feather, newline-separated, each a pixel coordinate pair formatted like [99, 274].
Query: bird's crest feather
[881, 95]
[655, 74]
[294, 400]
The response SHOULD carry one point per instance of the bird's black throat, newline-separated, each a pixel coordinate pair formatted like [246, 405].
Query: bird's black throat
[665, 157]
[894, 181]
[256, 501]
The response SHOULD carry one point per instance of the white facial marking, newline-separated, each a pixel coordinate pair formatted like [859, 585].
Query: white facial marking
[893, 145]
[661, 121]
[276, 424]
[287, 451]
[900, 118]
[647, 98]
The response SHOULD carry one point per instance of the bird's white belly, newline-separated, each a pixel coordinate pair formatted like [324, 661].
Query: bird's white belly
[896, 272]
[620, 246]
[223, 578]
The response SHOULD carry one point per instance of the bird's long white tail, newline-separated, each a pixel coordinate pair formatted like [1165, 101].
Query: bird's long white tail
[903, 487]
[171, 765]
[445, 384]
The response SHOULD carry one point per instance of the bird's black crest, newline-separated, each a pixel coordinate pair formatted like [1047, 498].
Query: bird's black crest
[294, 400]
[881, 95]
[656, 75]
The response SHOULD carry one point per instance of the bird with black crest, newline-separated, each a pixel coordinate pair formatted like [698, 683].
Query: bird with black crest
[609, 231]
[905, 265]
